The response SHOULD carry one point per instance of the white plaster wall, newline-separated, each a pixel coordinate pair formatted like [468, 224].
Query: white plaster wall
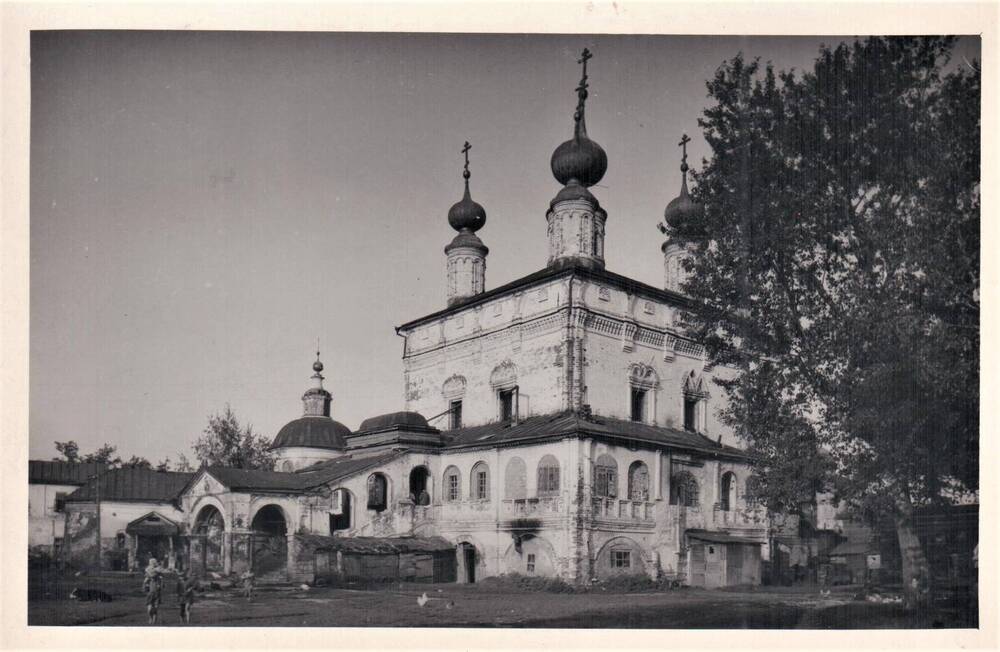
[45, 524]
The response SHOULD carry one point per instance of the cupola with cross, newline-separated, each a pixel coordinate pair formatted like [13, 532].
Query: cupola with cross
[681, 213]
[466, 252]
[575, 217]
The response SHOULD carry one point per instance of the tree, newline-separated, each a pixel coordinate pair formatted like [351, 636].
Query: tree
[836, 266]
[136, 462]
[225, 443]
[69, 450]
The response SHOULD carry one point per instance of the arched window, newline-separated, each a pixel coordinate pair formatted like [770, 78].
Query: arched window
[452, 484]
[515, 480]
[638, 481]
[684, 489]
[377, 492]
[548, 476]
[287, 466]
[728, 491]
[340, 511]
[419, 485]
[479, 484]
[606, 477]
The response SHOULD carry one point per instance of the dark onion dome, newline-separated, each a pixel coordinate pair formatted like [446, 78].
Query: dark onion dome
[580, 160]
[465, 214]
[393, 420]
[682, 209]
[467, 238]
[313, 432]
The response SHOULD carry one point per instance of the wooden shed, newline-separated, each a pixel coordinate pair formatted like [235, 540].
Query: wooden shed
[375, 560]
[717, 559]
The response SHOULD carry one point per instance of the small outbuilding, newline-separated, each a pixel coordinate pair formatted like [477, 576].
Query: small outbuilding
[376, 560]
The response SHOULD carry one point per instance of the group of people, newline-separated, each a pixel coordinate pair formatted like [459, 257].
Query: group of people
[152, 585]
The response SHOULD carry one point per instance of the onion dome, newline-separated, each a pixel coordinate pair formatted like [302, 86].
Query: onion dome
[580, 161]
[466, 215]
[682, 209]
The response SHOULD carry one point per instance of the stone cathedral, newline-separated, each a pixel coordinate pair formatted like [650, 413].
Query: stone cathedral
[560, 425]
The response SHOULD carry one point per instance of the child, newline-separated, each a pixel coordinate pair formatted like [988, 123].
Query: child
[152, 583]
[248, 581]
[185, 596]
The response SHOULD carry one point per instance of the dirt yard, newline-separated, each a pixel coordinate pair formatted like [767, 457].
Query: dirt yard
[452, 605]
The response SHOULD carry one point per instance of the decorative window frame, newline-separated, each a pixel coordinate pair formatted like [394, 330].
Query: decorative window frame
[695, 388]
[480, 466]
[643, 377]
[447, 493]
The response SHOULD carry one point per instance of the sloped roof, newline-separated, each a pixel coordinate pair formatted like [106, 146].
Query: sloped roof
[394, 420]
[134, 485]
[301, 480]
[721, 537]
[376, 545]
[570, 423]
[851, 548]
[62, 472]
[573, 268]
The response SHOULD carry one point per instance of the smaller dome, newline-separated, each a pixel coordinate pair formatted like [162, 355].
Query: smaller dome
[682, 209]
[394, 420]
[312, 432]
[466, 214]
[467, 239]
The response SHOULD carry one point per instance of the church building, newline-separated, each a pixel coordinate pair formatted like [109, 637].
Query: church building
[560, 425]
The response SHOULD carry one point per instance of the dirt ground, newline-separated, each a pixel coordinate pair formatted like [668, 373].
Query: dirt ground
[453, 605]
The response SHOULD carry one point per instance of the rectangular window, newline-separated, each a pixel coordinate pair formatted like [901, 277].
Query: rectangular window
[690, 414]
[621, 559]
[456, 414]
[482, 488]
[60, 503]
[638, 404]
[506, 404]
[453, 487]
[531, 562]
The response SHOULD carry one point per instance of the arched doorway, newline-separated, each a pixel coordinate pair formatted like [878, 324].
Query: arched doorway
[420, 491]
[467, 560]
[270, 543]
[205, 550]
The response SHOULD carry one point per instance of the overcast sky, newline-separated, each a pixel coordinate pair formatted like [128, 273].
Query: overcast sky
[204, 206]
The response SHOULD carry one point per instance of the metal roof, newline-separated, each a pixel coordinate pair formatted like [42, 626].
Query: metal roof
[377, 545]
[133, 484]
[721, 537]
[565, 424]
[573, 268]
[62, 471]
[298, 481]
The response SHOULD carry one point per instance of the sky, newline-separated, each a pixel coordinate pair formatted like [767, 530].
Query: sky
[206, 205]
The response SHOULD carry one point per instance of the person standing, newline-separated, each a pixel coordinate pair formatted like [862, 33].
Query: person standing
[248, 584]
[185, 596]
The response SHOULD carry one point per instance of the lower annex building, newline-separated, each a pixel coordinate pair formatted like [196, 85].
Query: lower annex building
[560, 425]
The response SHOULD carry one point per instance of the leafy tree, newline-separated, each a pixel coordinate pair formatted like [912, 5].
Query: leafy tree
[225, 443]
[105, 455]
[137, 462]
[837, 267]
[183, 464]
[69, 450]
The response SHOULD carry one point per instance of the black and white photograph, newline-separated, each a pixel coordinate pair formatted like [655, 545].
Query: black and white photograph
[503, 330]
